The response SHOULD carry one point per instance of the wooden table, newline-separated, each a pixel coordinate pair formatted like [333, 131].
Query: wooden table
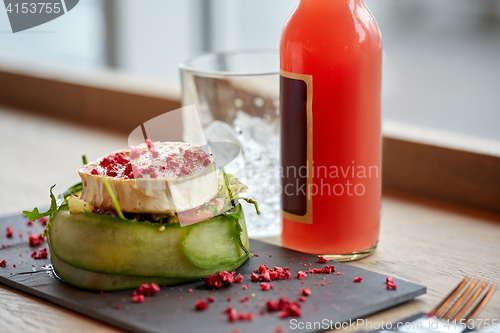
[422, 242]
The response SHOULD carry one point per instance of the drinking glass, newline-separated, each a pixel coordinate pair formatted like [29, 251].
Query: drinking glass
[236, 95]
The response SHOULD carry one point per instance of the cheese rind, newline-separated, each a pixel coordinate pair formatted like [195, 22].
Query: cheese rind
[185, 177]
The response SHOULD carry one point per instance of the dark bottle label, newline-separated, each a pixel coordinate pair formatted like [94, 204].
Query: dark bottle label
[296, 146]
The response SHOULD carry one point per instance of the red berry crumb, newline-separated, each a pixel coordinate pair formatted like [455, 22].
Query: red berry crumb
[265, 286]
[322, 260]
[135, 153]
[301, 275]
[94, 172]
[306, 291]
[220, 280]
[302, 298]
[42, 255]
[150, 143]
[138, 298]
[238, 278]
[147, 289]
[358, 279]
[285, 308]
[391, 285]
[3, 263]
[264, 273]
[210, 299]
[10, 232]
[389, 280]
[44, 219]
[118, 307]
[231, 314]
[36, 240]
[272, 305]
[201, 305]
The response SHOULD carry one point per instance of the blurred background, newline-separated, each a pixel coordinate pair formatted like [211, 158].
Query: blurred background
[113, 64]
[441, 67]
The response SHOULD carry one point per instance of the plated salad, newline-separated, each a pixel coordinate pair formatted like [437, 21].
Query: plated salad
[156, 213]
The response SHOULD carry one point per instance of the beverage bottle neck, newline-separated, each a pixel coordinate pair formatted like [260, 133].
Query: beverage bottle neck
[327, 5]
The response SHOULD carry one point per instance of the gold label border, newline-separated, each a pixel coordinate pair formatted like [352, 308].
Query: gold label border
[307, 218]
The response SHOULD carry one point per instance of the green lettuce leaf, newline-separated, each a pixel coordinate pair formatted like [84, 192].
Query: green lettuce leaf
[35, 214]
[237, 227]
[77, 188]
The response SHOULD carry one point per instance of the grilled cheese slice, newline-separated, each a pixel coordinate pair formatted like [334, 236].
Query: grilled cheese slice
[155, 178]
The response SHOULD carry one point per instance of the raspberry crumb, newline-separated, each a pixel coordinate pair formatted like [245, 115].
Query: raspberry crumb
[322, 260]
[201, 305]
[147, 289]
[358, 279]
[244, 299]
[10, 232]
[302, 298]
[138, 298]
[301, 275]
[389, 280]
[135, 153]
[231, 314]
[285, 308]
[43, 254]
[306, 291]
[190, 290]
[265, 286]
[264, 273]
[210, 299]
[118, 307]
[150, 143]
[391, 286]
[36, 240]
[254, 277]
[238, 278]
[3, 263]
[220, 280]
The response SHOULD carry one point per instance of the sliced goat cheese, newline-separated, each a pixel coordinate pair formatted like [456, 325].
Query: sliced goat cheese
[155, 178]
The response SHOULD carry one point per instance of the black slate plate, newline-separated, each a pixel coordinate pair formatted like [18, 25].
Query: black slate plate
[167, 312]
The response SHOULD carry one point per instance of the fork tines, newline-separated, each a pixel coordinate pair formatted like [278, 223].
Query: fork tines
[462, 298]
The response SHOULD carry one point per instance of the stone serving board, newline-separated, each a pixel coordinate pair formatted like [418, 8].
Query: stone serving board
[172, 309]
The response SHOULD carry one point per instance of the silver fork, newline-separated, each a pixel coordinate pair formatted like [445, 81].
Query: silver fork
[459, 308]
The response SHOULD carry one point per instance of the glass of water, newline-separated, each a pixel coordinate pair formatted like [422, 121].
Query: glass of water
[236, 95]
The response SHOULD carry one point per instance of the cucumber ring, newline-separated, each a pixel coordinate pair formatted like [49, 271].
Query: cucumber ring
[101, 252]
